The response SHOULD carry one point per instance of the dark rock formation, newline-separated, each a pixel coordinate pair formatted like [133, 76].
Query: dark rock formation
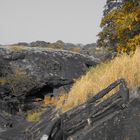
[69, 46]
[28, 73]
[81, 122]
[89, 49]
[34, 68]
[101, 53]
[39, 44]
[122, 126]
[33, 44]
[22, 44]
[77, 123]
[116, 118]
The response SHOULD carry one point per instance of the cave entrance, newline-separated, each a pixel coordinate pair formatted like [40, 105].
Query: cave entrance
[39, 94]
[46, 90]
[88, 66]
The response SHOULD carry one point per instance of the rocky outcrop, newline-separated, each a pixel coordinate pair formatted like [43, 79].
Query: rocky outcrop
[110, 119]
[78, 122]
[27, 72]
[89, 49]
[39, 44]
[122, 126]
[33, 44]
[116, 118]
[33, 68]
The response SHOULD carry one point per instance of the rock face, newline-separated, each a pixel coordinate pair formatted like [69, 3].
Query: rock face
[123, 126]
[116, 118]
[34, 68]
[89, 49]
[39, 44]
[78, 122]
[35, 72]
[28, 73]
[33, 44]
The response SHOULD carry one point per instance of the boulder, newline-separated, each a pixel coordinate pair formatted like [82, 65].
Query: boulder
[27, 69]
[103, 54]
[39, 44]
[28, 72]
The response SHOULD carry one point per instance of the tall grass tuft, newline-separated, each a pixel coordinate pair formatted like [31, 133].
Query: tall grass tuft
[99, 77]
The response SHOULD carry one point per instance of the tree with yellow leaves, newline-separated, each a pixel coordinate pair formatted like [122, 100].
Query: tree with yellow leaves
[125, 25]
[107, 37]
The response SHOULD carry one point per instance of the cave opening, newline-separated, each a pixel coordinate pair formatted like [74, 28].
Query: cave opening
[40, 93]
[88, 66]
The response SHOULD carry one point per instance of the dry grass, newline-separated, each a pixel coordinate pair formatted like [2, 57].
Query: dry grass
[34, 116]
[19, 73]
[15, 79]
[2, 80]
[56, 101]
[16, 48]
[76, 49]
[100, 77]
[56, 46]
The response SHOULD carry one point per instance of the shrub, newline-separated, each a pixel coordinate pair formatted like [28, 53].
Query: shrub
[16, 48]
[76, 49]
[2, 80]
[33, 116]
[57, 45]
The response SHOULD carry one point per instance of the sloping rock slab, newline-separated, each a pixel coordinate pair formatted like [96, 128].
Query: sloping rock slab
[80, 122]
[123, 126]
